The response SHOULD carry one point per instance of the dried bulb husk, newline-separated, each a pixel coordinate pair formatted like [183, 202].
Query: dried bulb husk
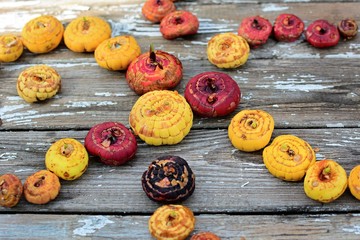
[250, 130]
[227, 50]
[161, 117]
[11, 190]
[172, 222]
[168, 179]
[325, 181]
[38, 83]
[11, 48]
[42, 34]
[117, 53]
[288, 157]
[85, 33]
[348, 28]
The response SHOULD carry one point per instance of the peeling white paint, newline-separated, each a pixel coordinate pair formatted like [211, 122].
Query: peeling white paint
[85, 104]
[335, 125]
[244, 79]
[254, 164]
[187, 58]
[273, 8]
[24, 170]
[319, 156]
[269, 77]
[275, 105]
[70, 65]
[298, 55]
[352, 229]
[18, 4]
[199, 43]
[4, 157]
[13, 98]
[11, 108]
[247, 96]
[30, 115]
[335, 144]
[109, 94]
[243, 185]
[343, 55]
[293, 85]
[321, 220]
[91, 225]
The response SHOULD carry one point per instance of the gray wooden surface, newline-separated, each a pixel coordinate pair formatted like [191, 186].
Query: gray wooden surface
[311, 93]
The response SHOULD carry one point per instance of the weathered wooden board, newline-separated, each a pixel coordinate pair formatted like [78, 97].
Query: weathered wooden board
[302, 88]
[269, 227]
[227, 180]
[296, 97]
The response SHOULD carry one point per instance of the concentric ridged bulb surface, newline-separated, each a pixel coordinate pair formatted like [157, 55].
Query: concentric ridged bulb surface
[85, 33]
[38, 83]
[42, 34]
[228, 50]
[161, 117]
[172, 222]
[288, 157]
[117, 53]
[168, 179]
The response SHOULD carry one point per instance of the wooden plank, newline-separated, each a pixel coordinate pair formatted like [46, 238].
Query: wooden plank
[298, 96]
[301, 88]
[228, 180]
[286, 227]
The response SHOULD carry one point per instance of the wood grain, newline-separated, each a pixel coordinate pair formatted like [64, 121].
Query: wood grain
[280, 227]
[227, 180]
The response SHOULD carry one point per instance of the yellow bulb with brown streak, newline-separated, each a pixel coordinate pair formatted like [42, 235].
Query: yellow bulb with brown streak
[67, 158]
[42, 34]
[11, 48]
[161, 117]
[228, 50]
[117, 53]
[38, 83]
[325, 181]
[354, 182]
[251, 130]
[288, 157]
